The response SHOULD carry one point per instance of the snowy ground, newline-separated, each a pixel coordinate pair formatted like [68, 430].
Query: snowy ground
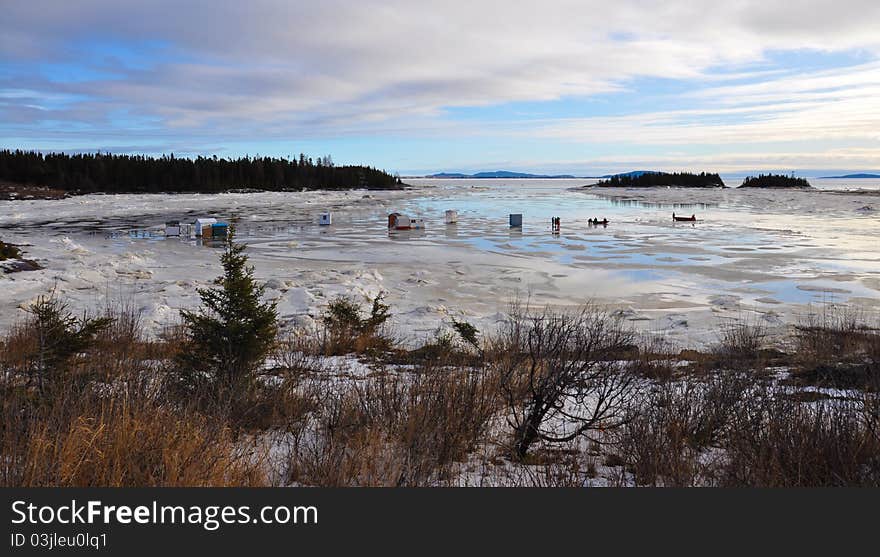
[763, 255]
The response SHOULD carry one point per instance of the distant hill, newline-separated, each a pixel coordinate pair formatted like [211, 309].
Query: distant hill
[498, 174]
[775, 181]
[448, 175]
[851, 177]
[631, 174]
[647, 179]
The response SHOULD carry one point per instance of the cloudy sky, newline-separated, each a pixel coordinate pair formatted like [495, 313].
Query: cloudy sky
[554, 86]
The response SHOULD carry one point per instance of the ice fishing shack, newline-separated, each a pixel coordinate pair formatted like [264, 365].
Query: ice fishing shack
[398, 221]
[451, 216]
[325, 219]
[219, 230]
[200, 225]
[172, 228]
[516, 220]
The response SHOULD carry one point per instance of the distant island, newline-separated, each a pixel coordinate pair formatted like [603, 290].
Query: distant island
[498, 174]
[647, 179]
[775, 181]
[108, 173]
[852, 177]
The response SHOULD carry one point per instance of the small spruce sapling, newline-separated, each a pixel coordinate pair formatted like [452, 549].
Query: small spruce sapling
[229, 337]
[59, 337]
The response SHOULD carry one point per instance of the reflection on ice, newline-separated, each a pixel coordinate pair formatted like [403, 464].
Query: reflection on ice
[659, 205]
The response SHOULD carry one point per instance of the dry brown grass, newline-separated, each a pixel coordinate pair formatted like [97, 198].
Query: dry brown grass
[831, 331]
[394, 429]
[432, 415]
[115, 434]
[112, 444]
[742, 344]
[102, 420]
[835, 346]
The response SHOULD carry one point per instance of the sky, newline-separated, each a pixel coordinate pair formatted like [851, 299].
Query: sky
[584, 87]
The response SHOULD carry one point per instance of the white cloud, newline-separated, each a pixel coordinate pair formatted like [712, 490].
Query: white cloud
[275, 68]
[832, 105]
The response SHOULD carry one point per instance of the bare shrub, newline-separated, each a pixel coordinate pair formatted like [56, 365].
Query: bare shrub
[781, 442]
[655, 359]
[122, 356]
[564, 465]
[560, 376]
[741, 345]
[395, 430]
[125, 324]
[443, 348]
[835, 347]
[870, 411]
[831, 331]
[327, 449]
[435, 350]
[673, 423]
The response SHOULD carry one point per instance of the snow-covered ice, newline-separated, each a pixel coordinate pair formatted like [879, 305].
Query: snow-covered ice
[768, 253]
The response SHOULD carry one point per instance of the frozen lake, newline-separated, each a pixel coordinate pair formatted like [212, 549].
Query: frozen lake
[761, 254]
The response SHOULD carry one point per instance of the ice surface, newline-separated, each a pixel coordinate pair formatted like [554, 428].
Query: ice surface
[762, 252]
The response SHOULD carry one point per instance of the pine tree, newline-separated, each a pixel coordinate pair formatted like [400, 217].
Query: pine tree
[229, 337]
[58, 337]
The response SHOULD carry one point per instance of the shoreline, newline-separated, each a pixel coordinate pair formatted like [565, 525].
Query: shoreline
[26, 192]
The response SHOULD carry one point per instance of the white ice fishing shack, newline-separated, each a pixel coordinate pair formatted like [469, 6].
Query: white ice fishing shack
[201, 224]
[172, 228]
[326, 219]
